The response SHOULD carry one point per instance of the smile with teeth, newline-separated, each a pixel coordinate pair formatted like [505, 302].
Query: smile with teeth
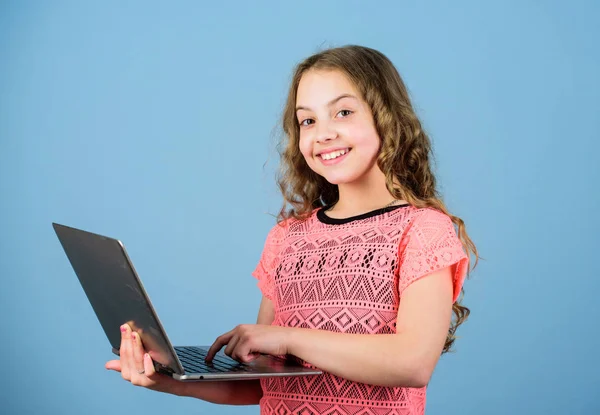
[334, 154]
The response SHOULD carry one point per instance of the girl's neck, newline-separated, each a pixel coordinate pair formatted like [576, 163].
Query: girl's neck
[358, 199]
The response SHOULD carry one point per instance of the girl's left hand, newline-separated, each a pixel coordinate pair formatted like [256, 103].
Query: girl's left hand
[246, 342]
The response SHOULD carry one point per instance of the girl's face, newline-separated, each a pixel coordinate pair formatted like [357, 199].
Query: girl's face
[338, 138]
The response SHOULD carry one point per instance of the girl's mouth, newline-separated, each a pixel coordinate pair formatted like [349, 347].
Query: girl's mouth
[334, 157]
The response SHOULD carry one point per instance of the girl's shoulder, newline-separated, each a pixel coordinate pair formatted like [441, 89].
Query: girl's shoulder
[428, 214]
[427, 223]
[408, 216]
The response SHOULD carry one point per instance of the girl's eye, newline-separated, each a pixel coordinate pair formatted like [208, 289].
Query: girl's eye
[307, 121]
[344, 113]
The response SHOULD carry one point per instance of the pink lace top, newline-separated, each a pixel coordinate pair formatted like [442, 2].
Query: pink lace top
[348, 275]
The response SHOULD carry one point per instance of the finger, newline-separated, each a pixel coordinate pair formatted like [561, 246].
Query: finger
[250, 357]
[212, 351]
[231, 346]
[149, 366]
[242, 351]
[137, 352]
[125, 352]
[217, 345]
[113, 365]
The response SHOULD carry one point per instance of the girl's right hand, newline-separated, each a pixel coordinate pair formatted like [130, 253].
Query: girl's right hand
[136, 365]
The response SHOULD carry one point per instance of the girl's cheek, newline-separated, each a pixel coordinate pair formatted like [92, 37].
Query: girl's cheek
[304, 146]
[302, 150]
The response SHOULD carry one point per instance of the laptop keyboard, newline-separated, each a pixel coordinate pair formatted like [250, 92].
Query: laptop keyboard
[192, 359]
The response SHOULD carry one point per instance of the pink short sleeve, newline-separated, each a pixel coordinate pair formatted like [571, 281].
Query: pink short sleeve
[265, 270]
[431, 244]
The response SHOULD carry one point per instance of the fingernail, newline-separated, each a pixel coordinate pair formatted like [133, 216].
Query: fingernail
[123, 329]
[133, 335]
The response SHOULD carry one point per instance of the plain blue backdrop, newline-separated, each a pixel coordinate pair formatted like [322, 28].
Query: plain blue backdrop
[156, 123]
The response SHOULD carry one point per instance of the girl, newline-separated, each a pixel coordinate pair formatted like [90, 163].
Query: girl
[361, 275]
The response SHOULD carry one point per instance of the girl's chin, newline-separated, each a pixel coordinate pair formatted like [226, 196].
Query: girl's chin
[343, 177]
[340, 180]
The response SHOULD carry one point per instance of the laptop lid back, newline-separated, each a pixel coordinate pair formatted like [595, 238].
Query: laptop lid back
[115, 292]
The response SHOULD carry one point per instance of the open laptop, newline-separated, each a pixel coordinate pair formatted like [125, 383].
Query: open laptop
[115, 291]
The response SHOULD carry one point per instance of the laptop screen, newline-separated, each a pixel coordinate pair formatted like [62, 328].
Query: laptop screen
[115, 292]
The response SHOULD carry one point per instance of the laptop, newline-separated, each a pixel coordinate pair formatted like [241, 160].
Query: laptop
[117, 296]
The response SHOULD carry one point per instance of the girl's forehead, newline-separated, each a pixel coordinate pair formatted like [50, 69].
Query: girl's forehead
[323, 85]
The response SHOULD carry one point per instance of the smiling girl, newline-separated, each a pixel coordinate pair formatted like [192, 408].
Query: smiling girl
[361, 276]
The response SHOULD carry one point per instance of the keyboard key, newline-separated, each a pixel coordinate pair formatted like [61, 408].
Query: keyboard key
[192, 359]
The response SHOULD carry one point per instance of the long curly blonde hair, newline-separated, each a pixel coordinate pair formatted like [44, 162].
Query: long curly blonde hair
[404, 156]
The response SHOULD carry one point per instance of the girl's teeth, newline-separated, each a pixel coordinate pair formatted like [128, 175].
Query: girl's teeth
[333, 155]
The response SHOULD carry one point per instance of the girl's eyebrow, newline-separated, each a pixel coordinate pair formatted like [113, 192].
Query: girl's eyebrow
[330, 103]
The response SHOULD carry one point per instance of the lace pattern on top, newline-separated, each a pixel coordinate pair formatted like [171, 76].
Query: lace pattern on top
[349, 278]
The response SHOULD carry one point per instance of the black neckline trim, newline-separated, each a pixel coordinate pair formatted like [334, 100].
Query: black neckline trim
[323, 218]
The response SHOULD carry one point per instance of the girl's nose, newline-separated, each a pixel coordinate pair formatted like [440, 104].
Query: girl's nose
[325, 133]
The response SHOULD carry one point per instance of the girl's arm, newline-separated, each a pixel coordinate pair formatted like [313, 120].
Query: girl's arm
[406, 358]
[133, 358]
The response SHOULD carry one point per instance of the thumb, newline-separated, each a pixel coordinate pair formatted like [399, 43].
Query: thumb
[113, 365]
[149, 367]
[250, 357]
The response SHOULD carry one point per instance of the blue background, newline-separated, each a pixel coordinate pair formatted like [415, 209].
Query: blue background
[152, 123]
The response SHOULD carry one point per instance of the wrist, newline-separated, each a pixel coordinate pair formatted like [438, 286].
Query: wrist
[178, 388]
[294, 339]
